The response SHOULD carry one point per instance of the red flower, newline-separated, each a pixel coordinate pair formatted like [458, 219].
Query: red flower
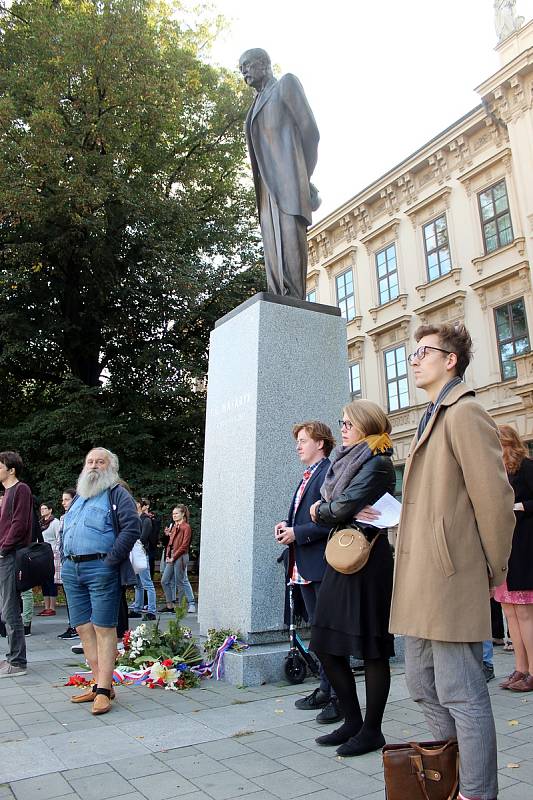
[77, 680]
[167, 662]
[126, 640]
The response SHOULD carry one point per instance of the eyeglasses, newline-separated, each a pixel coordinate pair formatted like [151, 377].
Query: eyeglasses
[421, 352]
[345, 423]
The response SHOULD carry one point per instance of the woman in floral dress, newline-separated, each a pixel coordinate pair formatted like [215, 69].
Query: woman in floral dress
[516, 595]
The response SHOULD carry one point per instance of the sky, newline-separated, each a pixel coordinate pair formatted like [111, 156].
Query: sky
[382, 76]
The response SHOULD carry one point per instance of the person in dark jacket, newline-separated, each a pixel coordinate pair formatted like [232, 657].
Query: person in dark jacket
[516, 595]
[144, 579]
[153, 538]
[15, 532]
[99, 531]
[352, 613]
[307, 541]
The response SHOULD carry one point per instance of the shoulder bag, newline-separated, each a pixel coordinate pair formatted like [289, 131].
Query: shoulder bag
[138, 557]
[34, 564]
[421, 771]
[348, 550]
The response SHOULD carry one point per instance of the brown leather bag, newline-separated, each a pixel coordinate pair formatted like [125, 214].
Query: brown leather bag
[421, 771]
[348, 550]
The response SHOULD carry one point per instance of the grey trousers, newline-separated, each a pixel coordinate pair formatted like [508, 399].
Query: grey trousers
[309, 595]
[10, 612]
[446, 679]
[285, 248]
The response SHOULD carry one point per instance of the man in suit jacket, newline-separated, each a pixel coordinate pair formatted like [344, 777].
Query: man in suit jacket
[282, 138]
[307, 542]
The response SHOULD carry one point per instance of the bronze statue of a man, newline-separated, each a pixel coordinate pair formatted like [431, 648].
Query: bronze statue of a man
[282, 138]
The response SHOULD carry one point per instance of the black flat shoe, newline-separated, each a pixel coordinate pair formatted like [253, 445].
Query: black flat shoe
[340, 736]
[359, 745]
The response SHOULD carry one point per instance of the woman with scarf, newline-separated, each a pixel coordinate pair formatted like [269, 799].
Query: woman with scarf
[352, 613]
[50, 530]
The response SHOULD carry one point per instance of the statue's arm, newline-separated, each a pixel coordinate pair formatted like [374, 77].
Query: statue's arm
[294, 98]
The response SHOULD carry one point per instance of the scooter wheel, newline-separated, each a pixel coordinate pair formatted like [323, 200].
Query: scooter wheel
[295, 668]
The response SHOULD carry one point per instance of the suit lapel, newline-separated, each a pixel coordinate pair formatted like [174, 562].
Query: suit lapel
[261, 99]
[415, 445]
[455, 394]
[318, 471]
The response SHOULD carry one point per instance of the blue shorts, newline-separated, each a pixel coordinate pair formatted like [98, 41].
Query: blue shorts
[93, 592]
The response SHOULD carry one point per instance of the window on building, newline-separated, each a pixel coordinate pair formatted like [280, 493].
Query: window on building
[311, 296]
[387, 270]
[512, 335]
[396, 377]
[399, 470]
[495, 217]
[437, 246]
[355, 380]
[345, 294]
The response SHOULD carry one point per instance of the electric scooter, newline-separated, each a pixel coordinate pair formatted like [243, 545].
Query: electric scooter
[299, 659]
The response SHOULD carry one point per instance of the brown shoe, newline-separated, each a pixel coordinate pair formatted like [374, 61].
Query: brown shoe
[524, 685]
[88, 697]
[101, 705]
[512, 678]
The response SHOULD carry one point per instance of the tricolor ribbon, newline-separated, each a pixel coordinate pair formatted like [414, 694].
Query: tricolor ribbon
[216, 666]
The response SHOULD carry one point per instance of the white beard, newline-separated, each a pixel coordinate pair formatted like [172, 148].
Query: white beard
[95, 481]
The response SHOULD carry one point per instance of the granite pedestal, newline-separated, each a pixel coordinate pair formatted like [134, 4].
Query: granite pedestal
[273, 362]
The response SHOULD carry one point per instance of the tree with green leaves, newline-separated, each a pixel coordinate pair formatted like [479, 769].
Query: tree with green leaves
[126, 229]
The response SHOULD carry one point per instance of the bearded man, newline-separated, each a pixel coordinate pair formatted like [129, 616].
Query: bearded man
[99, 531]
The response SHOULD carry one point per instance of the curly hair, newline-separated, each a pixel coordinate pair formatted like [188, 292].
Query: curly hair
[318, 431]
[514, 449]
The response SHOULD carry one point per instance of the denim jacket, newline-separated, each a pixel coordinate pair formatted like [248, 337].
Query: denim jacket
[127, 529]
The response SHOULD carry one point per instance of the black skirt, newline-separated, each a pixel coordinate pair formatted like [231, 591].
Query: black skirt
[352, 612]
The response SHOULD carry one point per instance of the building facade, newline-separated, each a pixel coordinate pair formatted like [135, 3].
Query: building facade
[446, 235]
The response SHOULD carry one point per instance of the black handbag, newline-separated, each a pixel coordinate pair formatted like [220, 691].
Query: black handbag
[34, 565]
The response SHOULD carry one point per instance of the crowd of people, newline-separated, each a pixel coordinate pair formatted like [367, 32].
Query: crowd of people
[464, 542]
[91, 544]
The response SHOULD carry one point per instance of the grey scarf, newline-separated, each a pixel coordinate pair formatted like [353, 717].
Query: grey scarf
[346, 463]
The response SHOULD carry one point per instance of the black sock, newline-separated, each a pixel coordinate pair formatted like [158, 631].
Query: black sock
[106, 692]
[340, 675]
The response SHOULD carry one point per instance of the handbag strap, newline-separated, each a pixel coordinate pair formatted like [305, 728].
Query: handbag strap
[416, 763]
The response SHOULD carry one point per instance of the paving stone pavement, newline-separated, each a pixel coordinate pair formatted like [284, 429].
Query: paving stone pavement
[218, 742]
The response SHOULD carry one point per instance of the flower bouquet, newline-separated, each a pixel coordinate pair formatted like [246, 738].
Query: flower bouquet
[170, 659]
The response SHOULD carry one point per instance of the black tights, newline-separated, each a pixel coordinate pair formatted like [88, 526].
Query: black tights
[377, 685]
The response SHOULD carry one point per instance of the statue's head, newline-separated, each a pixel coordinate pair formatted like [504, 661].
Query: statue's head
[255, 67]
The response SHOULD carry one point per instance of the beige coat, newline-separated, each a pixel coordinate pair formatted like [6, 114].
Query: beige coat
[456, 526]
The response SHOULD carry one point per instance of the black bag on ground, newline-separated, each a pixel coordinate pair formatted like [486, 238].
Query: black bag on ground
[34, 565]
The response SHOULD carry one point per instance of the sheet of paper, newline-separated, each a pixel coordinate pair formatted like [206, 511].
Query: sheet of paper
[389, 509]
